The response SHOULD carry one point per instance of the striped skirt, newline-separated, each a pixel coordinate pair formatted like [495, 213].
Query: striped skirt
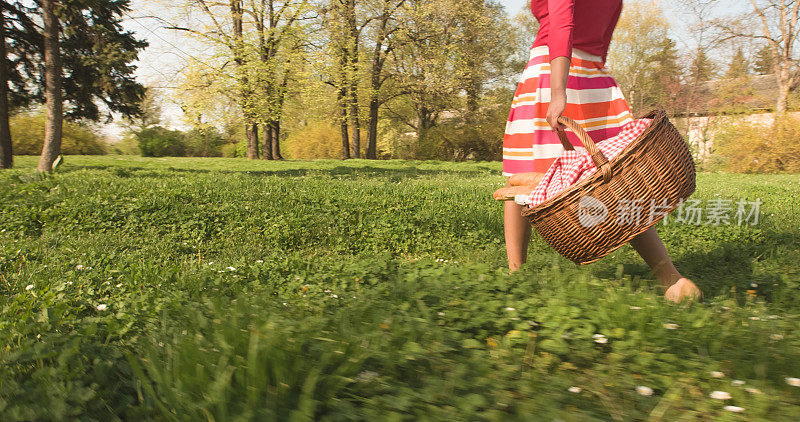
[593, 100]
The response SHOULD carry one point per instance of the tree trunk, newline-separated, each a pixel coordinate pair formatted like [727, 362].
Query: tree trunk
[784, 87]
[341, 98]
[372, 129]
[275, 130]
[53, 99]
[251, 133]
[343, 126]
[378, 59]
[345, 138]
[355, 122]
[245, 92]
[266, 147]
[6, 152]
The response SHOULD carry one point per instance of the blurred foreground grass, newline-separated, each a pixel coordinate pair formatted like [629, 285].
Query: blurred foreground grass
[227, 289]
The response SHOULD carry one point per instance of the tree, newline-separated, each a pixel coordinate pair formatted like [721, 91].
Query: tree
[739, 66]
[634, 57]
[778, 26]
[384, 42]
[261, 59]
[150, 114]
[665, 80]
[54, 101]
[764, 64]
[702, 68]
[343, 32]
[280, 39]
[83, 39]
[6, 149]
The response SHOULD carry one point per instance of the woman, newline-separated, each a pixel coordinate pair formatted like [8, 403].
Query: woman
[566, 75]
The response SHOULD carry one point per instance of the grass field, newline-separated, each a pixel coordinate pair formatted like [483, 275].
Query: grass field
[225, 289]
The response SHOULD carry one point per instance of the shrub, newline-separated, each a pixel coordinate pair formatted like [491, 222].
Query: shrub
[157, 141]
[317, 140]
[229, 150]
[743, 147]
[205, 142]
[27, 136]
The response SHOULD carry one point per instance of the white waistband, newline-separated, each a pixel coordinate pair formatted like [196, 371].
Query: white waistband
[542, 50]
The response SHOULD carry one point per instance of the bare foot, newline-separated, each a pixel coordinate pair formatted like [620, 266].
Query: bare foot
[682, 290]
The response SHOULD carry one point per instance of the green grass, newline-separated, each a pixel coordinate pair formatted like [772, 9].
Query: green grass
[363, 290]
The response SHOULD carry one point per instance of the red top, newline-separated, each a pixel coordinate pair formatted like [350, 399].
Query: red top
[583, 24]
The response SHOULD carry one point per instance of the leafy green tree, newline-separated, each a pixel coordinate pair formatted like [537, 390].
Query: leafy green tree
[641, 55]
[702, 68]
[203, 142]
[158, 141]
[739, 66]
[6, 148]
[259, 38]
[72, 56]
[764, 63]
[664, 80]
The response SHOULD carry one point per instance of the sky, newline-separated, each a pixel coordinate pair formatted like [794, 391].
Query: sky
[159, 65]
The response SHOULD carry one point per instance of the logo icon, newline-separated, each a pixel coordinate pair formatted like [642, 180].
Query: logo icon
[591, 211]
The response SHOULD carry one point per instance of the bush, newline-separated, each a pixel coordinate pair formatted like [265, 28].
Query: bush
[157, 141]
[742, 147]
[27, 136]
[206, 142]
[230, 149]
[317, 140]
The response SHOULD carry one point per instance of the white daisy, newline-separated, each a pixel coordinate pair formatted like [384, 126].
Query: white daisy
[736, 409]
[645, 391]
[29, 286]
[574, 390]
[794, 382]
[102, 307]
[737, 383]
[717, 374]
[671, 326]
[720, 395]
[510, 309]
[79, 267]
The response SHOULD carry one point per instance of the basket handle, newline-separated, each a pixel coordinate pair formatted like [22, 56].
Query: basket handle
[600, 160]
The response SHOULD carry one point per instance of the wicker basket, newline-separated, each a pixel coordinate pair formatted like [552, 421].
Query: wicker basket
[597, 215]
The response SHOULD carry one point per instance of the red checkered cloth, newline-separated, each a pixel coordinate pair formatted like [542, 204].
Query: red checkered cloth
[575, 165]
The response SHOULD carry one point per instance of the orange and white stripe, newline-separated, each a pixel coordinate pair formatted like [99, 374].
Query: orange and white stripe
[594, 100]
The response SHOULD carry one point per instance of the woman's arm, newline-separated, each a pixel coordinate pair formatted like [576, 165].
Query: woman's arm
[560, 14]
[559, 74]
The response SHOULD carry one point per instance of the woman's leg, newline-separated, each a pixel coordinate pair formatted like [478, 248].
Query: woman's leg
[518, 234]
[652, 250]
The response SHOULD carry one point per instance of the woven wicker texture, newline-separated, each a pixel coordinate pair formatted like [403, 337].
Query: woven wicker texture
[597, 215]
